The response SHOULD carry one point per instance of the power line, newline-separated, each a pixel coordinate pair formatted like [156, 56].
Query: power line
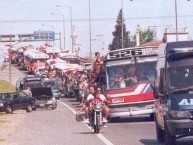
[95, 19]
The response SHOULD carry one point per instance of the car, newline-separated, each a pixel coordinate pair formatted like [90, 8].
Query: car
[44, 98]
[11, 101]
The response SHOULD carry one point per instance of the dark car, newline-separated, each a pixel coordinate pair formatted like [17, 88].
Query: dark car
[16, 100]
[44, 98]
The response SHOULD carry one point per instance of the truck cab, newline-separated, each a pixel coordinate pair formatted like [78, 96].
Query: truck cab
[173, 91]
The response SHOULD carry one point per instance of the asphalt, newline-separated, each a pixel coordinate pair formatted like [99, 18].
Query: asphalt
[52, 127]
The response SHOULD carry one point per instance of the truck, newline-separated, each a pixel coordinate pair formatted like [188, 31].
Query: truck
[129, 77]
[173, 91]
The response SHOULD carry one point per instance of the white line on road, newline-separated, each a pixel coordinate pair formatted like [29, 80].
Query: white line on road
[100, 136]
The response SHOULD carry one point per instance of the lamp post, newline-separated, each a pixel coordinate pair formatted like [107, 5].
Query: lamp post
[63, 21]
[176, 18]
[70, 23]
[122, 23]
[90, 31]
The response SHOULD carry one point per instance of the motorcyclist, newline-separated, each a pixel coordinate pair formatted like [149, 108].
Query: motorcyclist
[90, 100]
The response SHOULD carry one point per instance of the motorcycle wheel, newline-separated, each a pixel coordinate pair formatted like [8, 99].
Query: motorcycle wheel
[97, 126]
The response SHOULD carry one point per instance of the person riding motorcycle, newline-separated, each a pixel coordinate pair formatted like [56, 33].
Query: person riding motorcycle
[91, 100]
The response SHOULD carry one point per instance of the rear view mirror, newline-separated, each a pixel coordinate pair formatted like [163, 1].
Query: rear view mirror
[156, 93]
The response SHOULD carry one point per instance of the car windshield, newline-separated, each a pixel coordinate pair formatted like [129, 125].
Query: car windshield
[180, 78]
[125, 76]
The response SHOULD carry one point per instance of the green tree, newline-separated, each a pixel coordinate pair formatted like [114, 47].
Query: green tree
[117, 40]
[146, 35]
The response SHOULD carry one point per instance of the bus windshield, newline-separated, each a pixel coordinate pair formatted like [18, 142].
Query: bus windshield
[128, 75]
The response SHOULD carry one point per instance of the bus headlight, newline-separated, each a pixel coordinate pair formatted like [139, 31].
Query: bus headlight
[181, 114]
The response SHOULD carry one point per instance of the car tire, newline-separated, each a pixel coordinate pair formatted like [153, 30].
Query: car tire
[29, 108]
[169, 139]
[9, 109]
[159, 132]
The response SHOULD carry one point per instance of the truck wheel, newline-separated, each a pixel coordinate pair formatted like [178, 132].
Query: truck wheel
[169, 139]
[159, 132]
[29, 108]
[9, 109]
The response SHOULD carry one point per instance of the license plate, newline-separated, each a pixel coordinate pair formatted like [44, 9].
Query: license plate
[118, 100]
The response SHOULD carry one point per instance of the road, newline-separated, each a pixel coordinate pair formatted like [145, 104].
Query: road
[59, 127]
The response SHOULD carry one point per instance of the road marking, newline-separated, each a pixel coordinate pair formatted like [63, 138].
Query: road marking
[100, 136]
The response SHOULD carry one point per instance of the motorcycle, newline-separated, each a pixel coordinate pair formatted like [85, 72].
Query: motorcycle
[95, 117]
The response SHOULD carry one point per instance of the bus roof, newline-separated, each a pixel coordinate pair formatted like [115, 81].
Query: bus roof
[37, 55]
[131, 52]
[53, 50]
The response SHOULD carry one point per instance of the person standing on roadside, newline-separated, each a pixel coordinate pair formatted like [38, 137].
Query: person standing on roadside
[28, 91]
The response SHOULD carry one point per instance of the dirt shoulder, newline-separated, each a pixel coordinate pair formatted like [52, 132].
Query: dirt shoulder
[9, 123]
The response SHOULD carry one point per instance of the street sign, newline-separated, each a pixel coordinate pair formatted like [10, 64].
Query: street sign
[7, 38]
[25, 37]
[44, 35]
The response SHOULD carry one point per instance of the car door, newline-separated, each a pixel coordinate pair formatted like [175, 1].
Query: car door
[16, 102]
[23, 99]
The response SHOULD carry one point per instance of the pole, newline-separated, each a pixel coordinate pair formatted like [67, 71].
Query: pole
[60, 40]
[71, 28]
[64, 32]
[122, 23]
[90, 30]
[176, 16]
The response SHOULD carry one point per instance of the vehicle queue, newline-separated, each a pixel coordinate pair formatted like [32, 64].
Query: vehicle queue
[110, 74]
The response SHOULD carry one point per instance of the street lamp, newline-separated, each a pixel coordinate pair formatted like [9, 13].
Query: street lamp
[176, 18]
[122, 23]
[70, 22]
[63, 20]
[90, 30]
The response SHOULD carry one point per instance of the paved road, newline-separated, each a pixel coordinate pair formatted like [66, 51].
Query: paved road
[58, 127]
[130, 131]
[52, 127]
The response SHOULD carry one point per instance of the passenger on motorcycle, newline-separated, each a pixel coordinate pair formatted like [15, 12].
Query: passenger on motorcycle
[91, 99]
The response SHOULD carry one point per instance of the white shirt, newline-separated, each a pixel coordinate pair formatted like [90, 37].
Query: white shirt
[90, 97]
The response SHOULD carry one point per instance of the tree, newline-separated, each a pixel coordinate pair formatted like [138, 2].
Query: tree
[146, 35]
[117, 40]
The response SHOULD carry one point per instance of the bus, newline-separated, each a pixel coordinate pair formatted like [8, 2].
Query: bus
[20, 52]
[130, 74]
[35, 59]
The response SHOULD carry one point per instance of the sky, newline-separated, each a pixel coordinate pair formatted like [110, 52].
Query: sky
[27, 16]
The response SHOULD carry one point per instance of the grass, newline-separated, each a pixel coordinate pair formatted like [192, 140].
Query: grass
[2, 140]
[6, 87]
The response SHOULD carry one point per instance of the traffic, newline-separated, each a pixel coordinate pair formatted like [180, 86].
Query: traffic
[123, 83]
